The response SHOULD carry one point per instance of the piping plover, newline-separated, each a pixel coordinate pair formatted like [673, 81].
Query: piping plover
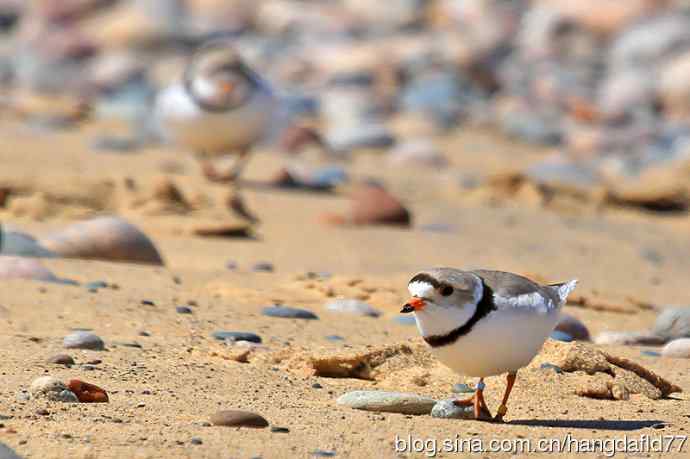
[484, 323]
[219, 107]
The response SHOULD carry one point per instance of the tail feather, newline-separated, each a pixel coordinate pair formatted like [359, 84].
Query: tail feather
[563, 289]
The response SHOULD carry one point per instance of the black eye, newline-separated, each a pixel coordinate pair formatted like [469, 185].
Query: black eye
[447, 290]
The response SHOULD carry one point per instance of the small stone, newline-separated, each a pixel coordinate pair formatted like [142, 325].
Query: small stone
[8, 453]
[551, 366]
[42, 412]
[263, 267]
[446, 409]
[276, 429]
[147, 303]
[678, 348]
[323, 453]
[673, 323]
[61, 359]
[236, 336]
[289, 313]
[628, 338]
[183, 310]
[572, 326]
[561, 336]
[95, 285]
[87, 393]
[316, 386]
[231, 265]
[345, 138]
[356, 307]
[335, 338]
[48, 387]
[196, 441]
[83, 340]
[390, 402]
[237, 418]
[67, 396]
[462, 389]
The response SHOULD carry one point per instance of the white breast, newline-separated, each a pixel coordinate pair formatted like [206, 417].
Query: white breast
[188, 126]
[503, 341]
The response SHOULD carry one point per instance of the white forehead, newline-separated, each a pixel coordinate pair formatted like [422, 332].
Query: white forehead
[421, 289]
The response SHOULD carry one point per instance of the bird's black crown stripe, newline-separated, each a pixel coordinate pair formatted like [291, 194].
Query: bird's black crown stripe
[484, 307]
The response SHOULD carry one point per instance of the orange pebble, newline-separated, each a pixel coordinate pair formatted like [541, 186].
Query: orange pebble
[87, 393]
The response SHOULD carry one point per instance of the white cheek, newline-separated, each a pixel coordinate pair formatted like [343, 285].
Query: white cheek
[421, 289]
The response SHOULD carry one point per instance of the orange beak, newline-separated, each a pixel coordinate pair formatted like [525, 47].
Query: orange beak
[415, 304]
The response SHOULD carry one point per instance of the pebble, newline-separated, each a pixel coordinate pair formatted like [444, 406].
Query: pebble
[237, 418]
[649, 353]
[351, 306]
[463, 388]
[22, 245]
[67, 396]
[335, 338]
[446, 409]
[574, 327]
[8, 453]
[62, 359]
[551, 366]
[183, 310]
[263, 267]
[88, 393]
[390, 402]
[47, 387]
[323, 453]
[678, 348]
[344, 138]
[673, 323]
[289, 313]
[276, 429]
[561, 336]
[236, 336]
[95, 285]
[196, 441]
[83, 340]
[628, 338]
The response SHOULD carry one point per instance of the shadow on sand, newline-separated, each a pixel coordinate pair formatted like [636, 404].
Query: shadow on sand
[589, 424]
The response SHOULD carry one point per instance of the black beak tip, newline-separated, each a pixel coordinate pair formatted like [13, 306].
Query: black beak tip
[407, 309]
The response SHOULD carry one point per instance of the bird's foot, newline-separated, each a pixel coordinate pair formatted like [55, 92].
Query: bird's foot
[500, 412]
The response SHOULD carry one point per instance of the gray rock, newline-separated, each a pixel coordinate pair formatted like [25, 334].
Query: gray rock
[83, 340]
[288, 313]
[446, 409]
[628, 338]
[390, 402]
[348, 138]
[21, 244]
[263, 267]
[47, 387]
[678, 348]
[352, 306]
[673, 323]
[236, 336]
[66, 396]
[183, 310]
[462, 388]
[8, 453]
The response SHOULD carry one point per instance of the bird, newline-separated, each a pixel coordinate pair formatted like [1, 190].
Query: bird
[219, 106]
[482, 323]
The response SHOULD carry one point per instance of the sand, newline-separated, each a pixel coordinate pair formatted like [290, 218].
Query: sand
[163, 393]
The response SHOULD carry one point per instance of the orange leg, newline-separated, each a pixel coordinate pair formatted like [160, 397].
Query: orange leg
[214, 175]
[481, 411]
[503, 409]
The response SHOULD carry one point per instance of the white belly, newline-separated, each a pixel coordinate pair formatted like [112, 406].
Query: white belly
[502, 342]
[188, 126]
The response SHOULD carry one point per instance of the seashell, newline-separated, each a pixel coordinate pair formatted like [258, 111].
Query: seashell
[104, 238]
